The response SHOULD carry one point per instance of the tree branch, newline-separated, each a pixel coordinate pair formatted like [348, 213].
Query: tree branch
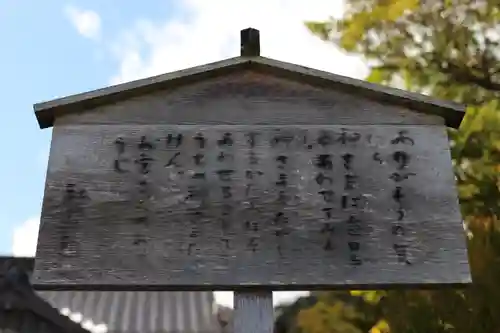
[463, 75]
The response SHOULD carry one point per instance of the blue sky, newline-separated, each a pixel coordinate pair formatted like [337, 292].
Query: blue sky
[54, 48]
[44, 56]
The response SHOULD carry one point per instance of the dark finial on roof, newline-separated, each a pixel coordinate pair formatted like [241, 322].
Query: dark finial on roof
[250, 42]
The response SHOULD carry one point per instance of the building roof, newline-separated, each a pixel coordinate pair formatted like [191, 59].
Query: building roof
[139, 311]
[47, 112]
[23, 310]
[158, 312]
[18, 320]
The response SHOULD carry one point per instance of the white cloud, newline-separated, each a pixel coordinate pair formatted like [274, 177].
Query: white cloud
[86, 22]
[24, 238]
[207, 31]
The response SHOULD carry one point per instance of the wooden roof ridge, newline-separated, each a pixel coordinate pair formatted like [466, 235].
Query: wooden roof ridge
[250, 59]
[14, 280]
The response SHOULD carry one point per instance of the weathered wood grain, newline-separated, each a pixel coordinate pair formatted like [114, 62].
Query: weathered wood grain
[135, 225]
[250, 98]
[48, 112]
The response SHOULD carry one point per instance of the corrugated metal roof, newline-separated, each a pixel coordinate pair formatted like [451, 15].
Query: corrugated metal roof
[20, 321]
[144, 312]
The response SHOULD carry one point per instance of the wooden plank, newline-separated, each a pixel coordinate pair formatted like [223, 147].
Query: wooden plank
[208, 207]
[250, 98]
[452, 112]
[253, 312]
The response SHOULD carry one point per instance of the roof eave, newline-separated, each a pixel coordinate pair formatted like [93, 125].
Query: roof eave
[46, 112]
[452, 112]
[27, 299]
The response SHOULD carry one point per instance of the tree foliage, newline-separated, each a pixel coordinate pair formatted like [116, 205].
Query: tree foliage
[449, 49]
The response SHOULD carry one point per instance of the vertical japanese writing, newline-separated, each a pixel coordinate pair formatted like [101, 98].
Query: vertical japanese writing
[197, 191]
[225, 175]
[350, 201]
[325, 139]
[402, 160]
[226, 142]
[280, 177]
[199, 157]
[324, 179]
[144, 162]
[281, 142]
[346, 137]
[403, 138]
[280, 139]
[125, 165]
[193, 217]
[173, 142]
[145, 159]
[120, 160]
[251, 174]
[349, 198]
[73, 200]
[251, 140]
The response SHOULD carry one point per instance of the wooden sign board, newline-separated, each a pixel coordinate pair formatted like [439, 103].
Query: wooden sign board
[269, 183]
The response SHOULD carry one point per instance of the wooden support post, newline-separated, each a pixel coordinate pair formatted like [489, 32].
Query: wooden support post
[253, 312]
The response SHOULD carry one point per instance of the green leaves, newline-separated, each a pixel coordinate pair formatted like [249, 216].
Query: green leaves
[477, 158]
[437, 43]
[337, 312]
[451, 50]
[320, 29]
[377, 75]
[370, 296]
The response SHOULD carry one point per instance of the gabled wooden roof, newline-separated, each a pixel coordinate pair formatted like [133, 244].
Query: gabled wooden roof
[46, 112]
